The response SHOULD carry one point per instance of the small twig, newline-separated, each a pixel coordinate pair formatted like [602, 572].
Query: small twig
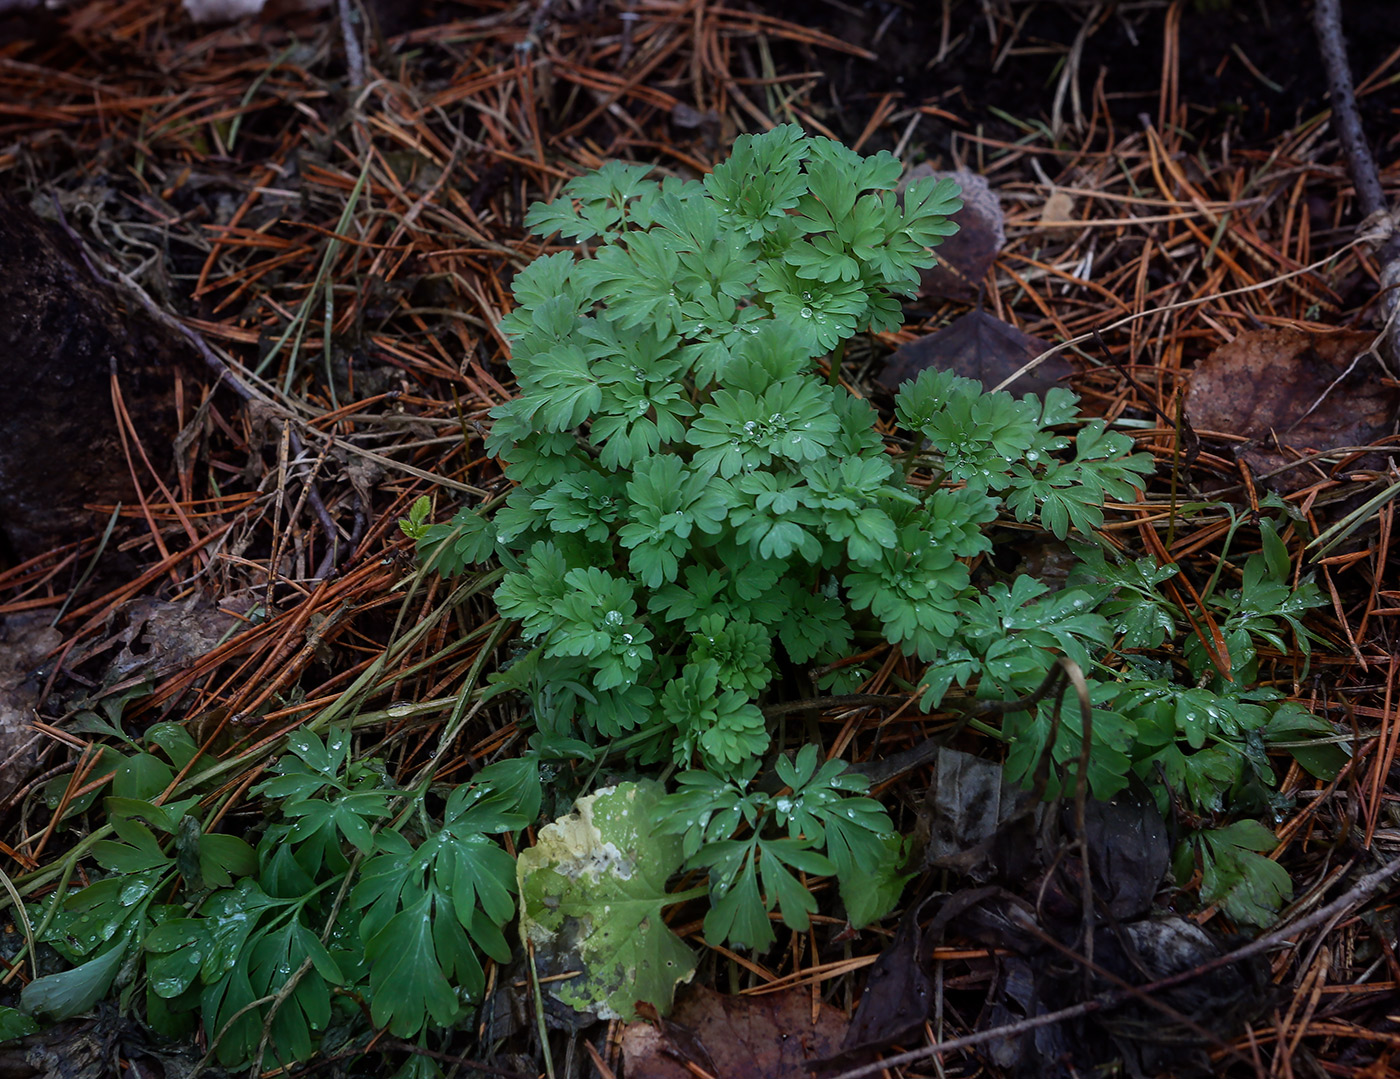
[354, 55]
[1327, 22]
[1365, 177]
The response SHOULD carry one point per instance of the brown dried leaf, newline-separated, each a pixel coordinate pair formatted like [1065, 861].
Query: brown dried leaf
[965, 257]
[772, 1036]
[980, 346]
[1290, 393]
[161, 637]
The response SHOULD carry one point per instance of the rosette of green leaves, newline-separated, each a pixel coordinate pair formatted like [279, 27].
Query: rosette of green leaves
[752, 844]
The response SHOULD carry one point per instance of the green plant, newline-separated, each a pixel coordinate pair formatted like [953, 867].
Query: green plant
[671, 426]
[697, 520]
[744, 836]
[354, 896]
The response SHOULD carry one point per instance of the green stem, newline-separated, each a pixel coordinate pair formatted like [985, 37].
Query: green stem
[834, 376]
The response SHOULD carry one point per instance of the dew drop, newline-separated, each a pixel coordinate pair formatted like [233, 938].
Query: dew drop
[806, 312]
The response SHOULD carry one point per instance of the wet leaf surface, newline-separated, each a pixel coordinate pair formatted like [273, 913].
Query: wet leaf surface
[592, 890]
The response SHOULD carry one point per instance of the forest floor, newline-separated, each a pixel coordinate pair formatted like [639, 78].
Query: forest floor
[336, 211]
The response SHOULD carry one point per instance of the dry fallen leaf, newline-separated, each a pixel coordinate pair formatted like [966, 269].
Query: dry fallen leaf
[980, 346]
[769, 1036]
[161, 636]
[964, 257]
[1290, 393]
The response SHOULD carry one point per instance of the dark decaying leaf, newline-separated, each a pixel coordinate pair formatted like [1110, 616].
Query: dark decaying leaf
[1170, 1030]
[976, 822]
[1043, 1051]
[1218, 1003]
[1291, 392]
[965, 257]
[897, 991]
[771, 1036]
[1128, 851]
[965, 801]
[979, 346]
[162, 636]
[1032, 918]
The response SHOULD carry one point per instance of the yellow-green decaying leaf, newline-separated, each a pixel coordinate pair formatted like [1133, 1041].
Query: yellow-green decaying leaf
[594, 886]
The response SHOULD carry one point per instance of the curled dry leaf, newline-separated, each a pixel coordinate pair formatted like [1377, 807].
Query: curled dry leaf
[1292, 393]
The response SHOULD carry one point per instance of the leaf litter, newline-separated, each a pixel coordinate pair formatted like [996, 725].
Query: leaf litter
[981, 346]
[755, 1036]
[1295, 399]
[1030, 916]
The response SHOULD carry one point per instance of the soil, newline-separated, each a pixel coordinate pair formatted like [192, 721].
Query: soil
[1220, 42]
